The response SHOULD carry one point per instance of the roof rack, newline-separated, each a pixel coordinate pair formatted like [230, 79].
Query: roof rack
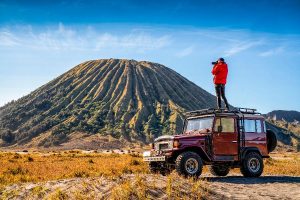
[222, 110]
[205, 111]
[247, 110]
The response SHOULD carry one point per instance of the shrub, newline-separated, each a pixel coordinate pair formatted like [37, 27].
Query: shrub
[16, 171]
[7, 136]
[30, 159]
[135, 162]
[81, 174]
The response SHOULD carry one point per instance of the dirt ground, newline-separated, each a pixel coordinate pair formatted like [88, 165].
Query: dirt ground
[236, 186]
[233, 186]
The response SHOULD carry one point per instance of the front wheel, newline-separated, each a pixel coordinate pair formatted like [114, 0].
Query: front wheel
[189, 164]
[252, 165]
[156, 168]
[153, 167]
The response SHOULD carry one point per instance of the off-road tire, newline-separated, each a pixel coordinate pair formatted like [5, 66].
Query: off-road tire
[218, 170]
[153, 167]
[184, 162]
[252, 165]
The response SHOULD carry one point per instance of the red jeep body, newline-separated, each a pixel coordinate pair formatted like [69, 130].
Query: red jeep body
[214, 137]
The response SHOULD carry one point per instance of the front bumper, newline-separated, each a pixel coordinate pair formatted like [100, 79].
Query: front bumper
[154, 159]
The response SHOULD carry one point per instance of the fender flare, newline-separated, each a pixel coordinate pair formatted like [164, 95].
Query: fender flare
[247, 150]
[195, 149]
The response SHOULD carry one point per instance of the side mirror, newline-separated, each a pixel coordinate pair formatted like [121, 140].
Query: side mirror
[220, 129]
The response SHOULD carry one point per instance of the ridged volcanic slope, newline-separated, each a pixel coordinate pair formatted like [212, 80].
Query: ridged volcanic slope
[123, 98]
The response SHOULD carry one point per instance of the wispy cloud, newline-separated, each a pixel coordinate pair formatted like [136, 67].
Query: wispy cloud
[185, 52]
[272, 52]
[8, 39]
[242, 46]
[141, 41]
[63, 38]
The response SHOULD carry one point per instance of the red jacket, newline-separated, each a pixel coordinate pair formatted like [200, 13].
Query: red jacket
[220, 72]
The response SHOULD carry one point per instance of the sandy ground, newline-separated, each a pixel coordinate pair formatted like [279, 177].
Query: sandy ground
[236, 186]
[233, 186]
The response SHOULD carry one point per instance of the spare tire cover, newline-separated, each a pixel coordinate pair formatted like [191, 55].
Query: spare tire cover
[271, 140]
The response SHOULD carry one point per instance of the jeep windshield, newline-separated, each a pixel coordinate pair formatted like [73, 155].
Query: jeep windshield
[199, 125]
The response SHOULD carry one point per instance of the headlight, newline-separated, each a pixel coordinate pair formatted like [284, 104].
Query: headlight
[146, 154]
[176, 144]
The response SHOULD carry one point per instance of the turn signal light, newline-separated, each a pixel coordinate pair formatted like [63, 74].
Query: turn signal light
[152, 145]
[176, 144]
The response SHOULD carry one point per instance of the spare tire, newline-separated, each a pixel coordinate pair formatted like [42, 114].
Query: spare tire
[271, 140]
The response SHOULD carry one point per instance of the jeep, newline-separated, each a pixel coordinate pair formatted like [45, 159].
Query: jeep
[216, 137]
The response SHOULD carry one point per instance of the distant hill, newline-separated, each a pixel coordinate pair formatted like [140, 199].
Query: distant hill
[289, 116]
[288, 134]
[125, 99]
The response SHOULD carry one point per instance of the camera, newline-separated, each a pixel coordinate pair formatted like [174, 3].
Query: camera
[214, 63]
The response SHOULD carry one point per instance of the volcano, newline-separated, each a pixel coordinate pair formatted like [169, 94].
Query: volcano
[117, 97]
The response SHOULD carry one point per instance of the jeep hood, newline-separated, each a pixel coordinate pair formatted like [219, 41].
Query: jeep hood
[163, 138]
[172, 137]
[199, 135]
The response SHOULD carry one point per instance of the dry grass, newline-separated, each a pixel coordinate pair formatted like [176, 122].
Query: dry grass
[171, 187]
[39, 167]
[36, 167]
[284, 164]
[287, 164]
[125, 175]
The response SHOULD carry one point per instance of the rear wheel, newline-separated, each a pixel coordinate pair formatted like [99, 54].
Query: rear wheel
[219, 170]
[252, 165]
[189, 164]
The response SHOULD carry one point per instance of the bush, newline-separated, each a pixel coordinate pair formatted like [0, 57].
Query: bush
[44, 105]
[30, 159]
[7, 136]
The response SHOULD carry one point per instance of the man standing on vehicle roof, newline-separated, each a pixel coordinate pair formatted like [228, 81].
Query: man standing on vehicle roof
[220, 71]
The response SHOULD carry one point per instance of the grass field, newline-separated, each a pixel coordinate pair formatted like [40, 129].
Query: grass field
[40, 167]
[35, 167]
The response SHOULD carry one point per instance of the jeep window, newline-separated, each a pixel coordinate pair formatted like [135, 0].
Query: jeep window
[249, 126]
[199, 124]
[253, 126]
[258, 126]
[226, 123]
[265, 127]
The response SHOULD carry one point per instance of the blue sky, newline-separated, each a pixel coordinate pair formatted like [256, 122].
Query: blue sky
[260, 40]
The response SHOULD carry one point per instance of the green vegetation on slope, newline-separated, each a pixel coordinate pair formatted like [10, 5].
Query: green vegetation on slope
[121, 98]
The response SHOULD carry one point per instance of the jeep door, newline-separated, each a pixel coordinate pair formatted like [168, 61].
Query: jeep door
[225, 137]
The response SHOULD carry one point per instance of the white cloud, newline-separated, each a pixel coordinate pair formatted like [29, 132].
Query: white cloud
[271, 52]
[185, 52]
[64, 38]
[8, 39]
[242, 46]
[140, 41]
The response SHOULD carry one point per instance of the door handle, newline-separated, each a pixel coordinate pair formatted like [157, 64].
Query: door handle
[234, 142]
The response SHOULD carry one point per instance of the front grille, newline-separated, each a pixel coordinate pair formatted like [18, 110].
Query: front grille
[163, 146]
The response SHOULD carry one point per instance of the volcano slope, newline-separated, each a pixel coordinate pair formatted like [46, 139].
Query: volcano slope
[126, 99]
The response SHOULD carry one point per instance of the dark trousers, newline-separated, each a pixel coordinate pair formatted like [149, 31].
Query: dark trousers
[220, 92]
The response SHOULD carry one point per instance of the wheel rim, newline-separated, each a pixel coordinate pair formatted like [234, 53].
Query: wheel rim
[254, 165]
[191, 165]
